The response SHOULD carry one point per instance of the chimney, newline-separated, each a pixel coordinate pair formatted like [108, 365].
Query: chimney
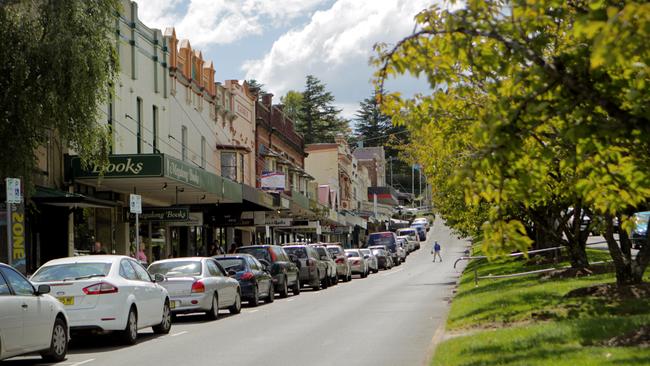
[267, 99]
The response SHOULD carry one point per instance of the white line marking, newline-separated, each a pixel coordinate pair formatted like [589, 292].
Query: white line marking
[253, 311]
[179, 333]
[392, 272]
[290, 300]
[83, 362]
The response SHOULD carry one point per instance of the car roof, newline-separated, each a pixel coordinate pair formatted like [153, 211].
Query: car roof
[382, 232]
[233, 256]
[108, 258]
[296, 246]
[258, 246]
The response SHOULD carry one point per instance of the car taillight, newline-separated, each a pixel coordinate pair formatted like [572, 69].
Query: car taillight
[311, 262]
[356, 261]
[340, 260]
[198, 287]
[247, 276]
[100, 289]
[273, 256]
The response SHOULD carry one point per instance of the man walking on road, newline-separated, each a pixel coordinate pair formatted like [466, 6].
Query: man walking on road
[435, 250]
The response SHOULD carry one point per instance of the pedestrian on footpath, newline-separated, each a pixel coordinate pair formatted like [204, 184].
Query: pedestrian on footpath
[435, 250]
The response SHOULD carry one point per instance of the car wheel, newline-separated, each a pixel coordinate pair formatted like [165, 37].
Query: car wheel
[255, 300]
[236, 307]
[166, 323]
[285, 288]
[130, 334]
[375, 270]
[295, 289]
[364, 274]
[317, 287]
[326, 281]
[270, 297]
[213, 313]
[59, 343]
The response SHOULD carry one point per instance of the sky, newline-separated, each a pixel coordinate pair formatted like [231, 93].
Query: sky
[279, 42]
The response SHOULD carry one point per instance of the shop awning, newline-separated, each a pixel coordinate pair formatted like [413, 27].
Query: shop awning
[55, 197]
[160, 180]
[253, 199]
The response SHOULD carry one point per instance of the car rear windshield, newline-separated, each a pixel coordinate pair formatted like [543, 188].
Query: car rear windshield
[352, 254]
[365, 251]
[377, 252]
[406, 232]
[259, 253]
[72, 271]
[297, 251]
[321, 251]
[381, 239]
[177, 268]
[334, 250]
[232, 264]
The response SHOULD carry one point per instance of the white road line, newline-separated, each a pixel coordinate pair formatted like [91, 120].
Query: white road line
[83, 362]
[290, 300]
[253, 311]
[179, 333]
[392, 272]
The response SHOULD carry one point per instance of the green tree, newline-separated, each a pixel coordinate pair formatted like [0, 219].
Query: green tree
[319, 119]
[372, 126]
[292, 103]
[556, 93]
[256, 87]
[58, 63]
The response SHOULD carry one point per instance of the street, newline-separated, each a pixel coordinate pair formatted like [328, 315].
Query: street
[388, 318]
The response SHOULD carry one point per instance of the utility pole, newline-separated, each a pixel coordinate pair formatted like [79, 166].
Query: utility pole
[420, 183]
[413, 185]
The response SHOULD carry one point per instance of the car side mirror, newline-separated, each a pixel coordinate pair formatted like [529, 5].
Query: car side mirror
[366, 256]
[159, 277]
[231, 273]
[43, 289]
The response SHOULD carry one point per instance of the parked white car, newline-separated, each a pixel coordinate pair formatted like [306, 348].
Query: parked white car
[30, 320]
[107, 293]
[422, 220]
[198, 285]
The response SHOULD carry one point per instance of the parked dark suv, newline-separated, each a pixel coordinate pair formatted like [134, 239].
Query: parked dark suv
[284, 271]
[389, 240]
[313, 271]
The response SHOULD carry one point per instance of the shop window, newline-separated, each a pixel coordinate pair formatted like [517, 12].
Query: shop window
[229, 165]
[138, 121]
[184, 143]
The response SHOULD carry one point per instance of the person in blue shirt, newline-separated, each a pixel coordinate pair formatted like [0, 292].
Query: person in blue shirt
[435, 250]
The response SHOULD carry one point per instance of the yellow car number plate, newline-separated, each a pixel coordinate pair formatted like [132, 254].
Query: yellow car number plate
[172, 304]
[66, 300]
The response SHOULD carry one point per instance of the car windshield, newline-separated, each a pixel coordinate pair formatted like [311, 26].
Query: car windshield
[381, 239]
[177, 268]
[232, 264]
[352, 254]
[257, 252]
[297, 251]
[366, 251]
[71, 271]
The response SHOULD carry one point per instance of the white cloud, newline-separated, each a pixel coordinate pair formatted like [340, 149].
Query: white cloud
[335, 47]
[208, 22]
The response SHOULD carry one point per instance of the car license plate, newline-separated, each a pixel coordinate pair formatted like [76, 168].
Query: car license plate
[172, 304]
[66, 300]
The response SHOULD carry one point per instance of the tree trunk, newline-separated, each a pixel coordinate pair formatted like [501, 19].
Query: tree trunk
[578, 255]
[629, 271]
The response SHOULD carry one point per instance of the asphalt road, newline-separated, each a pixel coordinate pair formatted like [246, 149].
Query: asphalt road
[388, 318]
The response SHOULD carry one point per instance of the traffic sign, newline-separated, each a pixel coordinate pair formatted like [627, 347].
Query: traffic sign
[14, 195]
[135, 203]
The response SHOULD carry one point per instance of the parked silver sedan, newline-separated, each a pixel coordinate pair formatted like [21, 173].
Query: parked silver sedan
[198, 284]
[358, 263]
[373, 264]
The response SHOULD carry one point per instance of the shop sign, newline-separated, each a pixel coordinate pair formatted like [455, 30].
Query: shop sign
[277, 221]
[163, 214]
[17, 225]
[231, 220]
[272, 181]
[121, 166]
[183, 172]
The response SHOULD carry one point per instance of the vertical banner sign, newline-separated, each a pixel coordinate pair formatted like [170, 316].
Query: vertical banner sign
[135, 207]
[15, 225]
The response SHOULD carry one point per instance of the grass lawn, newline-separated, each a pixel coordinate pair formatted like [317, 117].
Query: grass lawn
[528, 321]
